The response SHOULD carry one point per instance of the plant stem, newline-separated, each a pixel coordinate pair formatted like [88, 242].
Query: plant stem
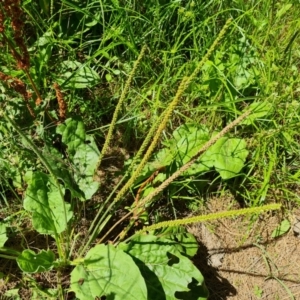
[118, 107]
[181, 170]
[94, 229]
[166, 115]
[33, 85]
[213, 216]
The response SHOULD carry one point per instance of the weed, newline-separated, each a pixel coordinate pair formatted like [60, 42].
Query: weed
[232, 119]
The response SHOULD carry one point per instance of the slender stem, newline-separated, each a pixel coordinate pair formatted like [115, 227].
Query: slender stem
[181, 170]
[185, 82]
[95, 228]
[194, 158]
[212, 216]
[8, 256]
[118, 108]
[11, 254]
[115, 225]
[33, 84]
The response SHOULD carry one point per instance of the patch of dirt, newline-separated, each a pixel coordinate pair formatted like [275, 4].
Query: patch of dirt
[240, 260]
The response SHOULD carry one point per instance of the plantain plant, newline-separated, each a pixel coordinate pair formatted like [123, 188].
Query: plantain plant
[112, 259]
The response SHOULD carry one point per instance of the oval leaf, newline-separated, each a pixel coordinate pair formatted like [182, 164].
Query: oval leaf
[43, 199]
[31, 262]
[85, 161]
[281, 229]
[189, 138]
[84, 153]
[109, 272]
[73, 134]
[168, 274]
[228, 156]
[76, 75]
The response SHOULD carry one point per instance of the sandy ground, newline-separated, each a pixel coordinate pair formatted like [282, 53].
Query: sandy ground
[240, 260]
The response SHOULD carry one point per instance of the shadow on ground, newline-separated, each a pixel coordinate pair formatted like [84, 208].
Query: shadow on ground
[219, 287]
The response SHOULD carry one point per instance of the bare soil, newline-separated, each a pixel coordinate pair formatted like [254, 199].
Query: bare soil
[240, 260]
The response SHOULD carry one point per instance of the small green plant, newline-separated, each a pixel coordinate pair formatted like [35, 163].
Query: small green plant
[281, 229]
[258, 292]
[227, 156]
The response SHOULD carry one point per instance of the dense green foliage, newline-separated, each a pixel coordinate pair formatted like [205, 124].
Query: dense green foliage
[55, 113]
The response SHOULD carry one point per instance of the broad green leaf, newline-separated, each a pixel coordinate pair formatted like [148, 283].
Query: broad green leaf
[3, 236]
[13, 294]
[116, 72]
[184, 241]
[76, 75]
[73, 134]
[85, 161]
[45, 39]
[168, 274]
[281, 229]
[227, 156]
[198, 168]
[83, 153]
[242, 64]
[242, 78]
[147, 190]
[189, 138]
[163, 158]
[61, 170]
[44, 201]
[187, 241]
[161, 177]
[107, 271]
[186, 141]
[31, 262]
[259, 110]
